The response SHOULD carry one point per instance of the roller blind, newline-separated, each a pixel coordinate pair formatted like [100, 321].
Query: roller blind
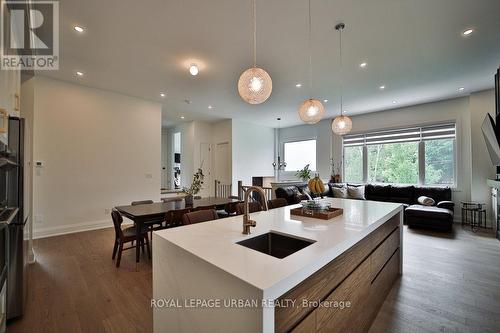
[442, 131]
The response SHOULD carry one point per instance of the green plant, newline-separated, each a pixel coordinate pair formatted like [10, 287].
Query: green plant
[196, 184]
[304, 174]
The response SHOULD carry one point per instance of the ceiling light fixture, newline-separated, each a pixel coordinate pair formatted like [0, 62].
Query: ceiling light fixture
[210, 107]
[342, 124]
[363, 64]
[162, 95]
[311, 110]
[78, 28]
[467, 32]
[255, 84]
[325, 100]
[298, 85]
[194, 70]
[461, 89]
[381, 87]
[182, 117]
[78, 73]
[394, 102]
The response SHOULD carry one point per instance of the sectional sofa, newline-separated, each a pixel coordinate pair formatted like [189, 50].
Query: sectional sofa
[438, 216]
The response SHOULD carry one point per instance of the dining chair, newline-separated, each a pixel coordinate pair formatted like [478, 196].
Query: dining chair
[126, 235]
[199, 216]
[252, 207]
[276, 203]
[173, 218]
[149, 224]
[209, 207]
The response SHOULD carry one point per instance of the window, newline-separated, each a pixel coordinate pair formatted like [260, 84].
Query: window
[353, 157]
[299, 153]
[421, 155]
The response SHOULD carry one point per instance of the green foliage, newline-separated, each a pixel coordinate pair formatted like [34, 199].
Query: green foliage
[196, 185]
[398, 162]
[304, 174]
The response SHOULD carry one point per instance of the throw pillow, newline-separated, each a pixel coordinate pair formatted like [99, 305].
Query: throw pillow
[426, 201]
[339, 192]
[356, 192]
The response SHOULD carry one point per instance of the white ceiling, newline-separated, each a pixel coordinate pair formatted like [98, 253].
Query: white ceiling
[413, 47]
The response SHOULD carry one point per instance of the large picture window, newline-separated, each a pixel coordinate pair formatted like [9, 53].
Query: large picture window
[420, 155]
[299, 153]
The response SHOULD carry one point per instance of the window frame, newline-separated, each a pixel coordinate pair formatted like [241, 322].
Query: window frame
[290, 173]
[421, 152]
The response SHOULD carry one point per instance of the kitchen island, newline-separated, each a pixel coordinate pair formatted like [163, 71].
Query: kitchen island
[204, 281]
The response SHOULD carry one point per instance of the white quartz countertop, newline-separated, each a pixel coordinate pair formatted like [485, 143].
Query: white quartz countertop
[215, 242]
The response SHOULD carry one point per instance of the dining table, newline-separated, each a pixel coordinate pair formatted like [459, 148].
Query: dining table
[157, 211]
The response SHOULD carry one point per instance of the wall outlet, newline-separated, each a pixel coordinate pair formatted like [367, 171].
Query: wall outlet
[38, 218]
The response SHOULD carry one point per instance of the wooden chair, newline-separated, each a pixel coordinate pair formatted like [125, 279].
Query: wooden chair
[277, 203]
[143, 202]
[205, 208]
[252, 207]
[127, 235]
[199, 216]
[174, 217]
[149, 224]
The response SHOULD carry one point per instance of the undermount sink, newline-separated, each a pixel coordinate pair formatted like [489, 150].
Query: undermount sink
[276, 245]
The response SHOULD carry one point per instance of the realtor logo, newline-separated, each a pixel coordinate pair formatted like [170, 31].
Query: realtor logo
[30, 35]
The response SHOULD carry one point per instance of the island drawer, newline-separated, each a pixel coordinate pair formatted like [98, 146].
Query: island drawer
[383, 253]
[319, 285]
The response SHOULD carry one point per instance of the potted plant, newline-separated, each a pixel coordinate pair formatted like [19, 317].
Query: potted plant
[194, 188]
[304, 174]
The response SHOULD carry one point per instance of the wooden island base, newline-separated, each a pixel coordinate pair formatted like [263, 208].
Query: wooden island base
[346, 294]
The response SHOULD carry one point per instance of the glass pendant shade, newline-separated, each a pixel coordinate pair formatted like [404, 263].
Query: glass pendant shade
[311, 111]
[255, 85]
[341, 125]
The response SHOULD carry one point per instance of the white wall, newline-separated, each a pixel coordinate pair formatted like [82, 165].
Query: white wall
[482, 167]
[193, 134]
[468, 112]
[252, 152]
[99, 149]
[322, 133]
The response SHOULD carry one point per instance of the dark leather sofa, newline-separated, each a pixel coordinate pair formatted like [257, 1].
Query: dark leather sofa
[438, 217]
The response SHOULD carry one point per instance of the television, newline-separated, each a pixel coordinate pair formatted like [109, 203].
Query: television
[177, 158]
[491, 129]
[490, 137]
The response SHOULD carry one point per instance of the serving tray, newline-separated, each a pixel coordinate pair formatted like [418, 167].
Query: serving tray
[328, 214]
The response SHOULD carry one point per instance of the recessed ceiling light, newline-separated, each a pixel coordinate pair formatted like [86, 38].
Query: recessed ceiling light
[193, 69]
[467, 32]
[78, 73]
[394, 102]
[182, 117]
[162, 95]
[363, 64]
[381, 87]
[461, 89]
[325, 100]
[210, 107]
[78, 28]
[298, 85]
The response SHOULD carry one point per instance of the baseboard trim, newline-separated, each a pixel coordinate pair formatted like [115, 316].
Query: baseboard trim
[41, 232]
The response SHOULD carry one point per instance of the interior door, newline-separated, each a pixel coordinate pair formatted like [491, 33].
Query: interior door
[223, 163]
[206, 166]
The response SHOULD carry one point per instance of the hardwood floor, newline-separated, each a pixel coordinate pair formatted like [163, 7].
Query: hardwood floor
[75, 287]
[451, 283]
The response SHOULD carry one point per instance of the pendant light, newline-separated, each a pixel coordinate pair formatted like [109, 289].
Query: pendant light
[255, 84]
[342, 124]
[311, 110]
